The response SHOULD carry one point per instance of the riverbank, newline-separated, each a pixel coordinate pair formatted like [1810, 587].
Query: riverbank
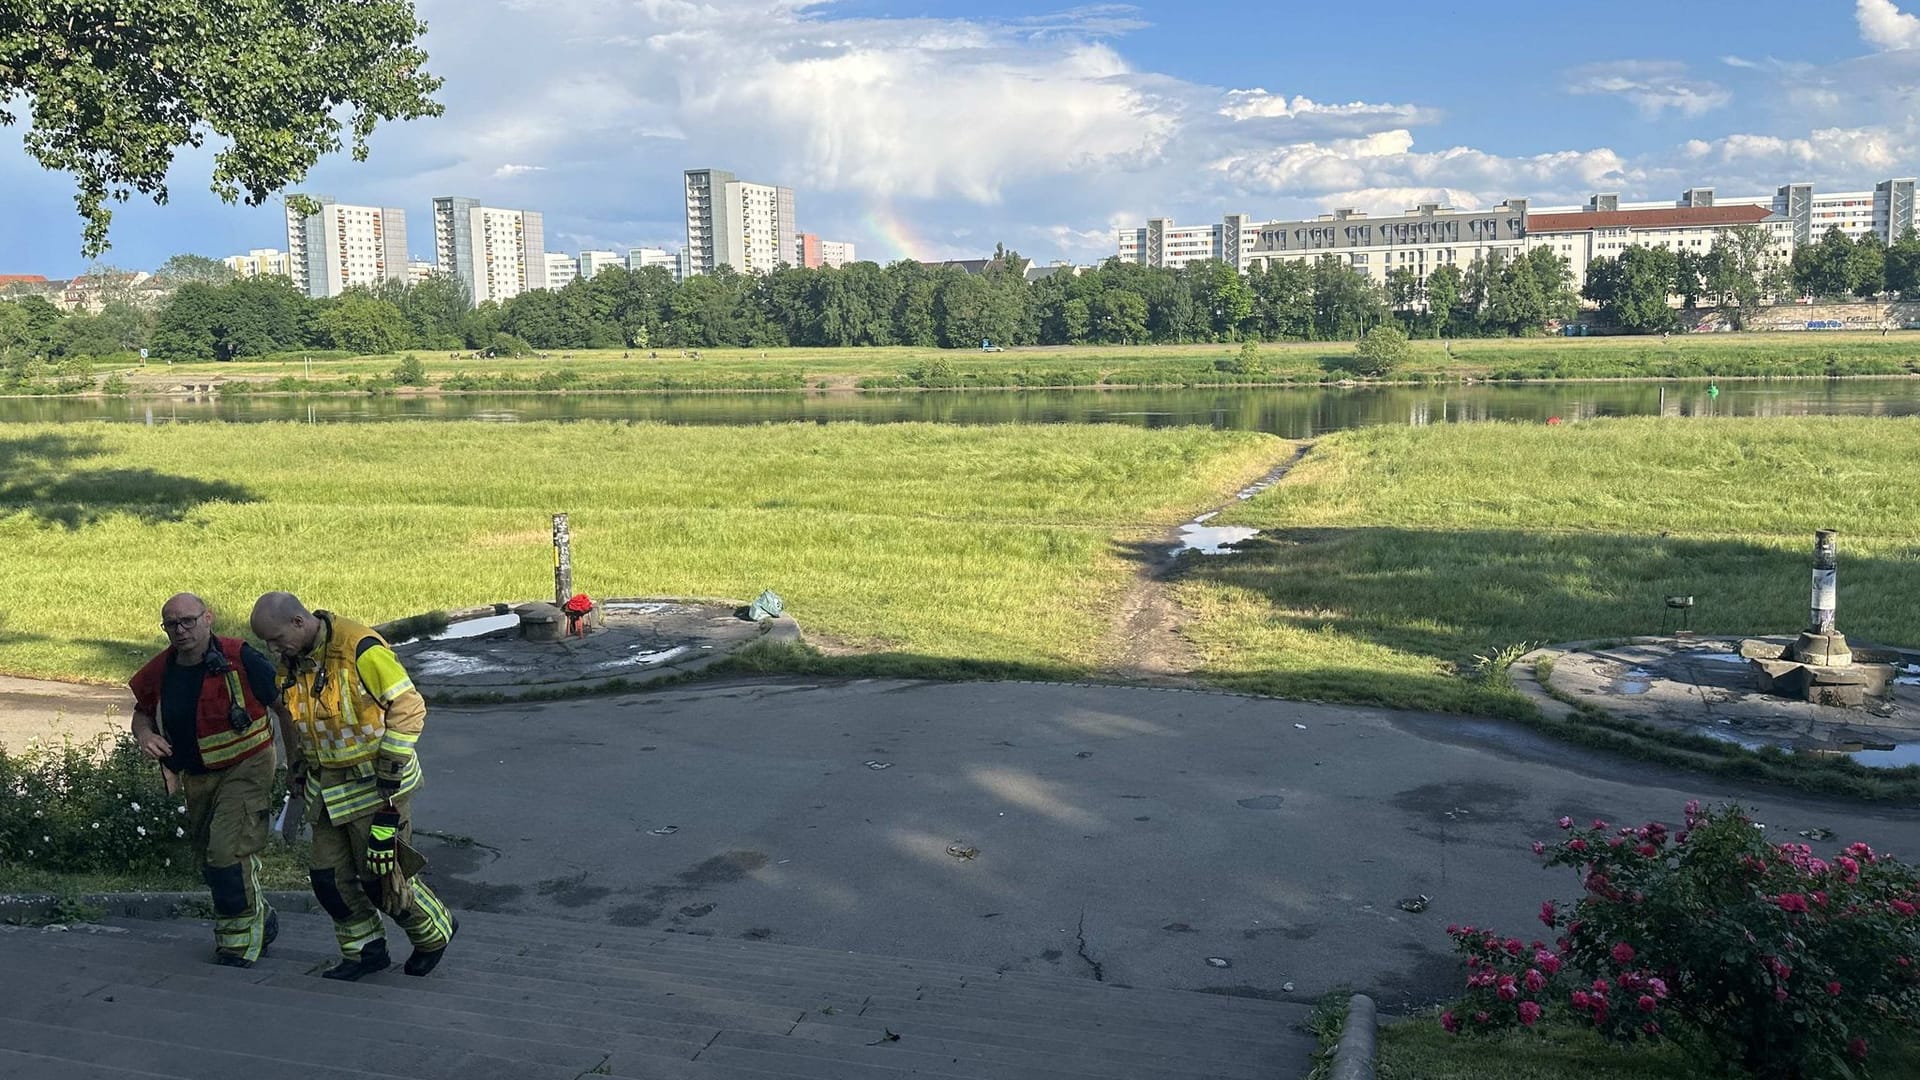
[1725, 356]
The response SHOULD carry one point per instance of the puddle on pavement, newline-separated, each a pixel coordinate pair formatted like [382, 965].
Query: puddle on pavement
[1901, 755]
[473, 628]
[435, 662]
[1197, 535]
[656, 656]
[1717, 657]
[1635, 681]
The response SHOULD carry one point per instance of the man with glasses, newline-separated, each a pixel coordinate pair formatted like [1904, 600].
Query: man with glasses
[200, 709]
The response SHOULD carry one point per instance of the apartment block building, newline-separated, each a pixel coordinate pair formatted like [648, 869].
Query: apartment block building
[561, 269]
[813, 253]
[592, 262]
[498, 253]
[258, 262]
[1162, 243]
[345, 245]
[737, 223]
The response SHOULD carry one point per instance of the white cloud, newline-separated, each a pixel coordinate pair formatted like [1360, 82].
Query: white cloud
[1884, 26]
[1653, 86]
[938, 136]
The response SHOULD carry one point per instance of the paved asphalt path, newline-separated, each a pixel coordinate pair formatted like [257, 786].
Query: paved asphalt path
[1124, 834]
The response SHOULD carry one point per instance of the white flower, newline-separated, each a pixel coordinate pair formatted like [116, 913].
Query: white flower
[178, 831]
[183, 808]
[141, 829]
[169, 862]
[133, 806]
[39, 813]
[46, 839]
[96, 824]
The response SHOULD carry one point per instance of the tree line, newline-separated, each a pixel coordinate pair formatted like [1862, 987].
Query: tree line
[904, 303]
[1634, 290]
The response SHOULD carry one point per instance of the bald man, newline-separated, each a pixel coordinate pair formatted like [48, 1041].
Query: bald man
[354, 717]
[200, 708]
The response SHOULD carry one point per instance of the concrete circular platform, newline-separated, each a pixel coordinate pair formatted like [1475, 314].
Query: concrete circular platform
[1704, 685]
[480, 654]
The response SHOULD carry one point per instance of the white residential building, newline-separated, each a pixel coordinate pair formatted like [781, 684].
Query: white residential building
[732, 222]
[640, 258]
[1605, 227]
[592, 262]
[813, 253]
[1421, 240]
[561, 269]
[498, 253]
[259, 262]
[345, 245]
[419, 270]
[1162, 243]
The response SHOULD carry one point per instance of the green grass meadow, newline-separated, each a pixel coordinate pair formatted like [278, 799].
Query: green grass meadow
[1393, 556]
[998, 545]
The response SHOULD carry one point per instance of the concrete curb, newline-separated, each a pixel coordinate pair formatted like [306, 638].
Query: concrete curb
[140, 905]
[1356, 1056]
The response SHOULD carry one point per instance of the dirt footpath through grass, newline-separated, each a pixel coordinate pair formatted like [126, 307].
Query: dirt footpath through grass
[34, 707]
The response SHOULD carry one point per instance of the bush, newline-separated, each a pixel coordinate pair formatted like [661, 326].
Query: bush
[1249, 362]
[1384, 349]
[115, 385]
[87, 808]
[1765, 957]
[410, 371]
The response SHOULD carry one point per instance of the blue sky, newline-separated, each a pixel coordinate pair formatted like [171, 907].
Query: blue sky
[935, 129]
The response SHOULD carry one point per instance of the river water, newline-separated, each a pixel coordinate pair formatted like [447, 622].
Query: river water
[1292, 413]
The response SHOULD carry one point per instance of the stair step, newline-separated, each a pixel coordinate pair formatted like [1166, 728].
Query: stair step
[290, 1041]
[159, 958]
[1188, 1009]
[536, 998]
[41, 1067]
[598, 935]
[971, 1059]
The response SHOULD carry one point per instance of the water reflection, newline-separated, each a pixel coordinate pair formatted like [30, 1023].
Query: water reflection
[1293, 413]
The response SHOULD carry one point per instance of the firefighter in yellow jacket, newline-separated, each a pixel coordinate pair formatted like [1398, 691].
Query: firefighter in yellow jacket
[351, 764]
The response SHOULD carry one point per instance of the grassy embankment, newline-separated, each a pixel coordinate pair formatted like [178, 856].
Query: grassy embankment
[940, 550]
[1718, 356]
[1418, 1050]
[1392, 557]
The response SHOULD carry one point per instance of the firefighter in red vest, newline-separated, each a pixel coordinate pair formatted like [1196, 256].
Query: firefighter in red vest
[200, 709]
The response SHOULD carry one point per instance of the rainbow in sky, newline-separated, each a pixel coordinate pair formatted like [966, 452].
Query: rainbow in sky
[898, 234]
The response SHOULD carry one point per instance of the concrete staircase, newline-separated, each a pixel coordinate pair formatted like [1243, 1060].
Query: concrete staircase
[521, 998]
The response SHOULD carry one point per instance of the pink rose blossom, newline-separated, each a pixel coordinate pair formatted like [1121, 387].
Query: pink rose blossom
[1648, 850]
[1581, 1000]
[1481, 1017]
[1646, 1003]
[1861, 852]
[1791, 902]
[1600, 987]
[1539, 847]
[1901, 906]
[1659, 988]
[1858, 1048]
[1507, 991]
[1566, 823]
[1514, 948]
[1693, 808]
[1623, 953]
[1529, 1012]
[1449, 1024]
[1546, 912]
[1537, 982]
[1600, 825]
[1547, 960]
[1833, 988]
[1576, 845]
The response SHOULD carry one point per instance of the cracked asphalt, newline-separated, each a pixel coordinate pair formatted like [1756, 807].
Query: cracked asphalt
[1122, 834]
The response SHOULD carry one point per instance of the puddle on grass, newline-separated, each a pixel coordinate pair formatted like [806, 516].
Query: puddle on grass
[473, 628]
[1197, 535]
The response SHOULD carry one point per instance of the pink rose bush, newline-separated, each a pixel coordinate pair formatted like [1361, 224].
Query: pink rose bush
[1763, 955]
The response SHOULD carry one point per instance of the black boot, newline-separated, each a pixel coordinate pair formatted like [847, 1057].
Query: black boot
[424, 961]
[273, 929]
[372, 960]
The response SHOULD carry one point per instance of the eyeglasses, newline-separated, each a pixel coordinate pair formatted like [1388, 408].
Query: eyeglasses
[170, 625]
